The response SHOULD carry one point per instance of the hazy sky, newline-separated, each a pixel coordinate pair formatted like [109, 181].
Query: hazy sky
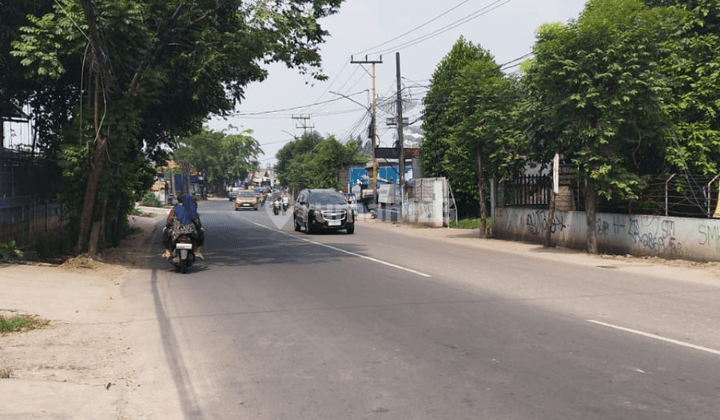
[422, 31]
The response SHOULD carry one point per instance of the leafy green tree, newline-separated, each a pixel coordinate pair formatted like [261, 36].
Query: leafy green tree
[221, 158]
[294, 157]
[313, 162]
[472, 126]
[440, 155]
[134, 75]
[597, 85]
[490, 128]
[694, 68]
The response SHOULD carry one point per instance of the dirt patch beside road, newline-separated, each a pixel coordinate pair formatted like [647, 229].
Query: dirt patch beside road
[90, 362]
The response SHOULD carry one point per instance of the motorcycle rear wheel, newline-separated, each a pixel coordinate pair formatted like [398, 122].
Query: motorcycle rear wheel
[183, 266]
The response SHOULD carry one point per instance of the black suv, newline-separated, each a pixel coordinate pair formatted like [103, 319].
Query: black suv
[323, 209]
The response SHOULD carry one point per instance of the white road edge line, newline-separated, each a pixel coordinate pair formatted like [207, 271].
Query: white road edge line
[399, 267]
[657, 337]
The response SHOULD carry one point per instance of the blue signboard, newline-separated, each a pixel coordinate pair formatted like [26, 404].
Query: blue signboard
[390, 173]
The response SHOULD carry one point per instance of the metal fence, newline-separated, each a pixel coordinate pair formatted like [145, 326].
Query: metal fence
[28, 186]
[678, 195]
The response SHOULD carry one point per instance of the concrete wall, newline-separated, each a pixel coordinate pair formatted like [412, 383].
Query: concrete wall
[429, 205]
[666, 237]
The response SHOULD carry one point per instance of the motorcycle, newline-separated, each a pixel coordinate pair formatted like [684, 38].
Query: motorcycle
[276, 207]
[182, 252]
[284, 207]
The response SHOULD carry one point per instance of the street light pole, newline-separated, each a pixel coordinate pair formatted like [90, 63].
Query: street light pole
[372, 115]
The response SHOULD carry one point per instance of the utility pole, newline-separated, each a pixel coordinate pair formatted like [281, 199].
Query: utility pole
[374, 122]
[304, 119]
[401, 137]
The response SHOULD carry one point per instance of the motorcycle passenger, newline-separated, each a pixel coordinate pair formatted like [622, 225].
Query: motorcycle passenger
[184, 215]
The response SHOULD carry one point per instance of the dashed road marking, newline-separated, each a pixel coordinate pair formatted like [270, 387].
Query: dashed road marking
[657, 337]
[375, 260]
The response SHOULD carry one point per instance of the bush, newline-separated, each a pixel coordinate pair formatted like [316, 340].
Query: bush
[150, 200]
[8, 251]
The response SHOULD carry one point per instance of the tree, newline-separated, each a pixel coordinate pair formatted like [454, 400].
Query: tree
[472, 131]
[694, 68]
[440, 153]
[150, 71]
[221, 158]
[597, 83]
[313, 162]
[490, 127]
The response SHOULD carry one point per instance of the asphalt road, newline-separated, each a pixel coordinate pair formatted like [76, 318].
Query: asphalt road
[379, 325]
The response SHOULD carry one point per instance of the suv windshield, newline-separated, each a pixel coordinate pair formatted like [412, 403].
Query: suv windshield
[326, 198]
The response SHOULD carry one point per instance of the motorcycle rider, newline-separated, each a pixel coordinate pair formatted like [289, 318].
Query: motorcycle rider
[184, 214]
[276, 205]
[285, 202]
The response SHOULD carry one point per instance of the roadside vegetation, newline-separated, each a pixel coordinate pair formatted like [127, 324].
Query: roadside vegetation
[9, 251]
[20, 323]
[471, 223]
[222, 158]
[313, 161]
[113, 84]
[624, 94]
[149, 200]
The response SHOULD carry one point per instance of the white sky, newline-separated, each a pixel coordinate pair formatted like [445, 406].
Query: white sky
[363, 28]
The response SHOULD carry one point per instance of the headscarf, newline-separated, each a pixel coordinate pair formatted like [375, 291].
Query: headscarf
[187, 212]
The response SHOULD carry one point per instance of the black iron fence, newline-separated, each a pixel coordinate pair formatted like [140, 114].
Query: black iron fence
[677, 195]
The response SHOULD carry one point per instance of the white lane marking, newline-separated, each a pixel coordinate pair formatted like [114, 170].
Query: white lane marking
[657, 337]
[399, 267]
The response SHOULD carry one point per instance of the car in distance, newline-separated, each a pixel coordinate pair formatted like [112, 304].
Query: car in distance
[246, 199]
[320, 209]
[233, 193]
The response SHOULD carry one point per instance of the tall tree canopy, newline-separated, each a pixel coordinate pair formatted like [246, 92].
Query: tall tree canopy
[221, 158]
[313, 161]
[118, 75]
[472, 131]
[694, 68]
[598, 88]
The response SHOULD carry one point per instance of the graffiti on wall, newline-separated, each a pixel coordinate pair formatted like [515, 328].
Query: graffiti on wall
[536, 223]
[709, 235]
[641, 235]
[655, 235]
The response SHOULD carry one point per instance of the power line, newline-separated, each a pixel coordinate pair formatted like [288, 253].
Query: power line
[478, 13]
[414, 29]
[241, 114]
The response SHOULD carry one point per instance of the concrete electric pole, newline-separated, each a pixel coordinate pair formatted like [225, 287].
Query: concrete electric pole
[374, 123]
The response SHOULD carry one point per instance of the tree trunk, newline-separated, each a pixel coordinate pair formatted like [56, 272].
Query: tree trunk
[97, 162]
[94, 171]
[481, 191]
[591, 214]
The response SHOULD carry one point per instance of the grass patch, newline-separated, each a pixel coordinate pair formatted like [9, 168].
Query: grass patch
[21, 323]
[469, 223]
[150, 200]
[5, 373]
